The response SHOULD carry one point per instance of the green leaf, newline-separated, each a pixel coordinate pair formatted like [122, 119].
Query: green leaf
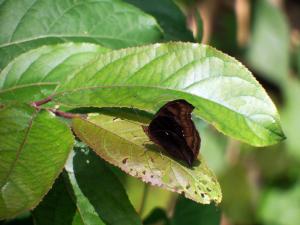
[58, 208]
[34, 146]
[188, 212]
[169, 17]
[104, 195]
[222, 90]
[35, 74]
[268, 52]
[281, 207]
[124, 144]
[32, 23]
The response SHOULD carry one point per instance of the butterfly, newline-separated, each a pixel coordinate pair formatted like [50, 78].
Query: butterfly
[172, 128]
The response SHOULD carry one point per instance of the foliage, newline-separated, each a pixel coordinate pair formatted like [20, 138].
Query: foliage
[79, 79]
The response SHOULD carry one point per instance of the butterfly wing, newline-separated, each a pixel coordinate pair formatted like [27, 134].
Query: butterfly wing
[173, 129]
[167, 133]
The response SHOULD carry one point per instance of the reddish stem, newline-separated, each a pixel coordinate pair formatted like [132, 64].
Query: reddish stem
[65, 114]
[57, 112]
[42, 102]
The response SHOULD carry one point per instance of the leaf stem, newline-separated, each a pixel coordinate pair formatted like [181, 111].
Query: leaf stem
[57, 112]
[144, 199]
[66, 114]
[42, 102]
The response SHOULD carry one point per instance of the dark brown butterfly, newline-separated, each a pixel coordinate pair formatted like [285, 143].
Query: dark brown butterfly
[172, 128]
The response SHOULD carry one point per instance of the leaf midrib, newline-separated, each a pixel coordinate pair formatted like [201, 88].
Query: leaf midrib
[13, 164]
[28, 85]
[22, 41]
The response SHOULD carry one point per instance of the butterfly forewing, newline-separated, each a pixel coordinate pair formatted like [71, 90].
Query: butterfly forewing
[173, 129]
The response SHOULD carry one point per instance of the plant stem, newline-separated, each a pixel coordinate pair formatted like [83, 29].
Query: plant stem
[65, 114]
[144, 199]
[42, 102]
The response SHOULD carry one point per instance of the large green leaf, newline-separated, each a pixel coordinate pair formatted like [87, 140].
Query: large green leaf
[98, 193]
[58, 208]
[222, 90]
[188, 212]
[268, 51]
[34, 146]
[124, 144]
[169, 17]
[32, 23]
[36, 74]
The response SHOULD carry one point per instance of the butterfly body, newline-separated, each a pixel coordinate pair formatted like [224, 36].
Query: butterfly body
[172, 128]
